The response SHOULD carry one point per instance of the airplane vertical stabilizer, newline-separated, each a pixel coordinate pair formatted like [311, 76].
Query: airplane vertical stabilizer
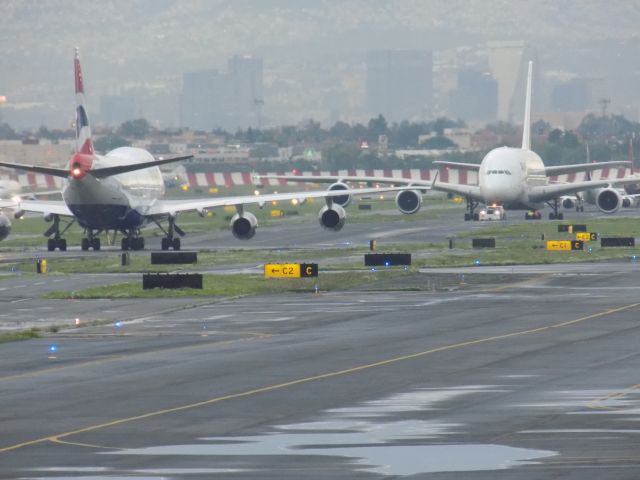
[84, 144]
[526, 128]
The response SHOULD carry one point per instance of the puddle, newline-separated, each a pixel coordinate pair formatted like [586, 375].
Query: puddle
[369, 437]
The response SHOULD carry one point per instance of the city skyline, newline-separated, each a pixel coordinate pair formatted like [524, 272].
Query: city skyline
[314, 54]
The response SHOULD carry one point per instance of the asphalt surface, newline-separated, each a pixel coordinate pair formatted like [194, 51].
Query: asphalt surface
[517, 372]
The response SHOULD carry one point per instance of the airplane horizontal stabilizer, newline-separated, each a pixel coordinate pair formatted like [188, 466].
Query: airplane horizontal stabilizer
[56, 172]
[115, 170]
[96, 172]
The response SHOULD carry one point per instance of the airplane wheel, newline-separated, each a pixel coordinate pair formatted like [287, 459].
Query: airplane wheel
[561, 216]
[551, 216]
[96, 244]
[467, 217]
[84, 244]
[125, 244]
[176, 243]
[51, 244]
[140, 243]
[62, 244]
[476, 217]
[164, 243]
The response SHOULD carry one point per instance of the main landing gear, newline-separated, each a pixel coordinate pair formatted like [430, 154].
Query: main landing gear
[170, 241]
[132, 241]
[471, 210]
[56, 241]
[90, 241]
[555, 205]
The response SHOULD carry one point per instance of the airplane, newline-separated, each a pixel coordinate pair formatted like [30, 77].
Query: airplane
[123, 190]
[508, 178]
[9, 189]
[605, 197]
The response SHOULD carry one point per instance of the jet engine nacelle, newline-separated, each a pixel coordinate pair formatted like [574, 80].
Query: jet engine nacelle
[568, 202]
[342, 200]
[332, 218]
[628, 202]
[408, 201]
[243, 226]
[608, 200]
[47, 217]
[5, 226]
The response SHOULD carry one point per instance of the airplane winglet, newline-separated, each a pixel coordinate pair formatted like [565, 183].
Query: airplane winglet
[526, 127]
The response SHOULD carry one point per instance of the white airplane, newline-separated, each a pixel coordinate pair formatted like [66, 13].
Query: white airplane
[122, 191]
[608, 199]
[9, 190]
[511, 178]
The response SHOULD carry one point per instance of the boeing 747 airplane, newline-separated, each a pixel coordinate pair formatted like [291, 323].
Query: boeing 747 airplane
[123, 190]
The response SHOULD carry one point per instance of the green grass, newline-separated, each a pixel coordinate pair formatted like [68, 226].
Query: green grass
[233, 285]
[19, 335]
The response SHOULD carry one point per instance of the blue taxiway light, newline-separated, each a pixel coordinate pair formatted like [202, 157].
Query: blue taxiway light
[476, 262]
[118, 324]
[53, 348]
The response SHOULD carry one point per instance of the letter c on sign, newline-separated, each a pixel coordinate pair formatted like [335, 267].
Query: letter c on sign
[308, 271]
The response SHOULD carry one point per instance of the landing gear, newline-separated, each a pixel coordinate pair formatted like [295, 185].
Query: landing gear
[90, 241]
[171, 241]
[471, 214]
[54, 243]
[555, 205]
[132, 243]
[57, 241]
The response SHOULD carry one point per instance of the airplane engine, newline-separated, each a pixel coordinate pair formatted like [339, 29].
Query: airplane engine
[47, 217]
[628, 202]
[608, 200]
[342, 200]
[5, 226]
[408, 201]
[243, 226]
[332, 218]
[568, 202]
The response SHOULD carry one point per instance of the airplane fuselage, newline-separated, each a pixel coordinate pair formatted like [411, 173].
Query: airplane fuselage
[115, 202]
[506, 174]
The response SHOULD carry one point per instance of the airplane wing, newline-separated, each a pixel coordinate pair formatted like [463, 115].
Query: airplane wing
[166, 207]
[343, 178]
[584, 167]
[459, 165]
[472, 191]
[42, 206]
[547, 192]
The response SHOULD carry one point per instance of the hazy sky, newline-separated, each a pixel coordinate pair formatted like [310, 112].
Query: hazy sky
[309, 46]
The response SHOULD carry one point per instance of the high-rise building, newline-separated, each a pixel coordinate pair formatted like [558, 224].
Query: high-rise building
[246, 90]
[230, 100]
[508, 64]
[476, 97]
[116, 109]
[572, 96]
[400, 84]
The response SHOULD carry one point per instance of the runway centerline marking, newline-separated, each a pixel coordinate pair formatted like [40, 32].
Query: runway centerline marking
[55, 438]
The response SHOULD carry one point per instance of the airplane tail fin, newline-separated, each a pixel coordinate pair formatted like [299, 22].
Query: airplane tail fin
[84, 144]
[526, 128]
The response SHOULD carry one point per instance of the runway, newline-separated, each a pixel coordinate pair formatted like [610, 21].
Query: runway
[522, 376]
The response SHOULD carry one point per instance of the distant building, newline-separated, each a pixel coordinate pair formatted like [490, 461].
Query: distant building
[476, 97]
[572, 96]
[508, 64]
[400, 84]
[232, 100]
[116, 109]
[202, 100]
[246, 90]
